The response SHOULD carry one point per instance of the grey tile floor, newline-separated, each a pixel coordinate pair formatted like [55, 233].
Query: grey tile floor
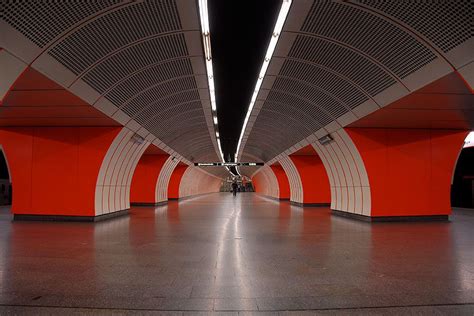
[236, 256]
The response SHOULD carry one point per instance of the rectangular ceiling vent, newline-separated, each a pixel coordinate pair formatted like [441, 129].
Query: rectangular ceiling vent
[326, 139]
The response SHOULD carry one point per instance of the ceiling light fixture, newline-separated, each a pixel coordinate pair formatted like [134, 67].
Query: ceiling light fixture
[206, 40]
[285, 8]
[326, 139]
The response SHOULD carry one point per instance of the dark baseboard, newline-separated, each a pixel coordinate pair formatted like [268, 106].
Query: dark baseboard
[385, 219]
[148, 203]
[310, 204]
[67, 218]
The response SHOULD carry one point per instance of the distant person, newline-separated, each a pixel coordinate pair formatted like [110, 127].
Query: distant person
[234, 188]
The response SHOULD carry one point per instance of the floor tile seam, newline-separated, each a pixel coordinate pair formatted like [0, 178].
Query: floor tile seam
[260, 310]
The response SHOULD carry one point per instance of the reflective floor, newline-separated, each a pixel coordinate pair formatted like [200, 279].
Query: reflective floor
[243, 255]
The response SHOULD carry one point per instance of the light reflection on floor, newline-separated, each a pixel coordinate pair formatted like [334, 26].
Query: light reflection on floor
[220, 253]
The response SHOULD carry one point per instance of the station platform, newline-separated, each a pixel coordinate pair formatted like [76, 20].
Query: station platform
[244, 255]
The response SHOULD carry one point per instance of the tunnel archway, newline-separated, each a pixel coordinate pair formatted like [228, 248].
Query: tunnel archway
[462, 187]
[6, 188]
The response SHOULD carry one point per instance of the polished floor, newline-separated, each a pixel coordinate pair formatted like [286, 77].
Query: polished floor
[243, 255]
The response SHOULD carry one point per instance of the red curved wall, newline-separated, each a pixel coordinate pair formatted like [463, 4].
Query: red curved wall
[409, 170]
[54, 169]
[283, 183]
[315, 181]
[175, 181]
[143, 189]
[258, 182]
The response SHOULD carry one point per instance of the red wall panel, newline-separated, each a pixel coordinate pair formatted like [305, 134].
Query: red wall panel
[258, 182]
[314, 179]
[17, 145]
[145, 178]
[409, 170]
[54, 170]
[175, 181]
[283, 183]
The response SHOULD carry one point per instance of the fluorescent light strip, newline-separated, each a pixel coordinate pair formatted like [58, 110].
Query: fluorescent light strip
[285, 8]
[206, 40]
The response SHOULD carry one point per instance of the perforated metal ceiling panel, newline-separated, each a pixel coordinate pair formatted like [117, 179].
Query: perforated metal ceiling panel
[336, 57]
[116, 30]
[384, 42]
[446, 23]
[42, 23]
[248, 171]
[141, 57]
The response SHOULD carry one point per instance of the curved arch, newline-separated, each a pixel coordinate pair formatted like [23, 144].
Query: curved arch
[313, 178]
[175, 181]
[195, 182]
[296, 186]
[114, 180]
[2, 152]
[350, 189]
[266, 182]
[283, 183]
[162, 184]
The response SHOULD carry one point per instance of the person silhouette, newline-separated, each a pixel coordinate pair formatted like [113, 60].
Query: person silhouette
[234, 188]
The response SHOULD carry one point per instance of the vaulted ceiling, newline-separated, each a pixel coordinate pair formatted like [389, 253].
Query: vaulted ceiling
[142, 64]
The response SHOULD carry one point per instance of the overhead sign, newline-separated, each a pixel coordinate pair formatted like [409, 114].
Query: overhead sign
[227, 164]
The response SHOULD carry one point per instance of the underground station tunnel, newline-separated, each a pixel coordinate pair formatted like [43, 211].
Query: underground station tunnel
[274, 157]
